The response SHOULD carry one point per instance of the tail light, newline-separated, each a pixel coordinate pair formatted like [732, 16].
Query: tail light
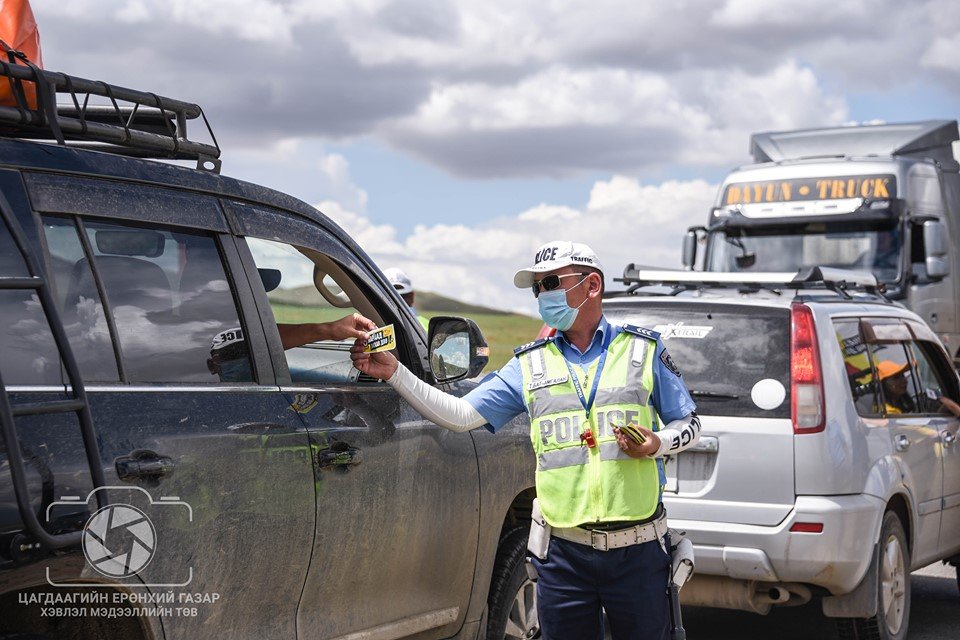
[806, 377]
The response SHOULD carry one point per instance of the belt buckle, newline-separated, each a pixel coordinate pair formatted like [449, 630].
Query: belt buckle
[595, 536]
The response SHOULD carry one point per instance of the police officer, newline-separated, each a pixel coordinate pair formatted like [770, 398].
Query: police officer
[401, 282]
[598, 489]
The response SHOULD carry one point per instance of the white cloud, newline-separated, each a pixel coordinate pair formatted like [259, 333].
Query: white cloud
[749, 13]
[564, 120]
[512, 87]
[375, 238]
[944, 53]
[624, 221]
[549, 213]
[337, 170]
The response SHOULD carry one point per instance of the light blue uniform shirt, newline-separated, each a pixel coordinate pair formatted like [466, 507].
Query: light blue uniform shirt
[499, 397]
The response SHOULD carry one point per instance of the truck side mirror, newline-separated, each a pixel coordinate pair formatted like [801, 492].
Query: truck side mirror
[935, 244]
[689, 257]
[457, 348]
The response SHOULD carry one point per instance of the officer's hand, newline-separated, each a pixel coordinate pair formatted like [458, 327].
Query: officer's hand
[380, 365]
[634, 450]
[353, 326]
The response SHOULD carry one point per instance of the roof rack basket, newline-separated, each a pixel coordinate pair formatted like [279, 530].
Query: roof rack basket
[133, 123]
[840, 281]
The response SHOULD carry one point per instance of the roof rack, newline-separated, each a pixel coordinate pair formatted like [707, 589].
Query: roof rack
[134, 123]
[840, 281]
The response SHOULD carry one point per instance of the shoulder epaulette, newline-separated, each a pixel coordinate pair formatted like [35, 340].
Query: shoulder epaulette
[640, 331]
[531, 345]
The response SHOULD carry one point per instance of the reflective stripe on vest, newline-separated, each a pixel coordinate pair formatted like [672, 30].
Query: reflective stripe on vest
[573, 480]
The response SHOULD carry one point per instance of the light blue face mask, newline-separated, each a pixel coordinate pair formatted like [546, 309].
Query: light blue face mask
[554, 309]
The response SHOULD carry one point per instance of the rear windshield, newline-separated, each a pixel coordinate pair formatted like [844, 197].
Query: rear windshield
[734, 359]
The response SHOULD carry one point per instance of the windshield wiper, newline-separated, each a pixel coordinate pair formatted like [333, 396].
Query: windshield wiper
[713, 394]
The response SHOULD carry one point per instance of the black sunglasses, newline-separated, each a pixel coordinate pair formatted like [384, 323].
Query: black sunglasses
[551, 282]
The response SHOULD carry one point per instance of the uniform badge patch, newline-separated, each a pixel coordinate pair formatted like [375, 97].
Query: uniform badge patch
[539, 384]
[669, 364]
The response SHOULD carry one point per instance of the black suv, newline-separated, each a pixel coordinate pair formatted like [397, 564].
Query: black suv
[167, 468]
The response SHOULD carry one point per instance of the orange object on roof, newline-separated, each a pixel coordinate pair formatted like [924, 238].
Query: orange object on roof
[18, 28]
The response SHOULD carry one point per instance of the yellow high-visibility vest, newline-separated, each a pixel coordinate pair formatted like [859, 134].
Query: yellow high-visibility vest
[577, 484]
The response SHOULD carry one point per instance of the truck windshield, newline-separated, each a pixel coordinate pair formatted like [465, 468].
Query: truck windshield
[792, 248]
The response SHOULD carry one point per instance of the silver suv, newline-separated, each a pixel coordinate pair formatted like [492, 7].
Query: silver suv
[828, 466]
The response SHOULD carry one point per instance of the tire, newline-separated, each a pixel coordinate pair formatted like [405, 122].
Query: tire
[512, 603]
[893, 589]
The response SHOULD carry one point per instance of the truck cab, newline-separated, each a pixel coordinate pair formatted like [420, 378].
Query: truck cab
[883, 199]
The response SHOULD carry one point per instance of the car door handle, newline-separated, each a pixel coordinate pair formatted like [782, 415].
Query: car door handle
[340, 455]
[144, 464]
[707, 444]
[948, 438]
[903, 442]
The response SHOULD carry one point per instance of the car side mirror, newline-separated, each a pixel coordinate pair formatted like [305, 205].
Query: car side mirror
[689, 257]
[457, 348]
[935, 245]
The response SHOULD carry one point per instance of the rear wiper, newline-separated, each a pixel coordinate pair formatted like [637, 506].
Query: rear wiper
[713, 394]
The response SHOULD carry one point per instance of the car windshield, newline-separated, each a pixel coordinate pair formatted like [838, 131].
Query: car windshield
[789, 249]
[735, 359]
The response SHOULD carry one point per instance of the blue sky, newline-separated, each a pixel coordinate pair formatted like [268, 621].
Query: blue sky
[452, 138]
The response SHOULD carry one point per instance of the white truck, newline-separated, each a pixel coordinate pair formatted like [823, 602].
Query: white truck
[879, 198]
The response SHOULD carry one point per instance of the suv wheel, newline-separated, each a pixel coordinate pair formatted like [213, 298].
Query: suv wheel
[512, 603]
[893, 593]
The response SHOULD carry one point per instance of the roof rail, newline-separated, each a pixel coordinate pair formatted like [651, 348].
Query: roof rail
[134, 123]
[838, 280]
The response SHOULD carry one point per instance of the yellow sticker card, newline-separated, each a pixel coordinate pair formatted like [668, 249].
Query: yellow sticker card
[631, 431]
[382, 339]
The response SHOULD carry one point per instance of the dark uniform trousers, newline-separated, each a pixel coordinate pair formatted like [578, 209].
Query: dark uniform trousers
[629, 583]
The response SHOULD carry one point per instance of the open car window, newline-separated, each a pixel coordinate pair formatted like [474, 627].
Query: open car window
[306, 287]
[934, 377]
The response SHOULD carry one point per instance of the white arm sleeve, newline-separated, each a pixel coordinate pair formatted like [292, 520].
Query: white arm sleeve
[679, 435]
[450, 412]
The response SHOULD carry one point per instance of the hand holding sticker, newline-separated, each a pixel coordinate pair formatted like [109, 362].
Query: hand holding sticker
[631, 431]
[382, 339]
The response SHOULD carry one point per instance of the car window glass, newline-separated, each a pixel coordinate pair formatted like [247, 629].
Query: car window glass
[724, 352]
[12, 264]
[28, 353]
[83, 318]
[176, 316]
[858, 369]
[932, 380]
[897, 384]
[306, 287]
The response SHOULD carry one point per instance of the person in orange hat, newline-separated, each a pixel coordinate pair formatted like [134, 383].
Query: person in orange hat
[898, 400]
[893, 377]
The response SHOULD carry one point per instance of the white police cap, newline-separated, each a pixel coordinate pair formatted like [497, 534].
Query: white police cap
[556, 254]
[399, 280]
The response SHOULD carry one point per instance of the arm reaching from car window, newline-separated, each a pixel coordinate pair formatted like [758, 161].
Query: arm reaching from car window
[354, 326]
[450, 412]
